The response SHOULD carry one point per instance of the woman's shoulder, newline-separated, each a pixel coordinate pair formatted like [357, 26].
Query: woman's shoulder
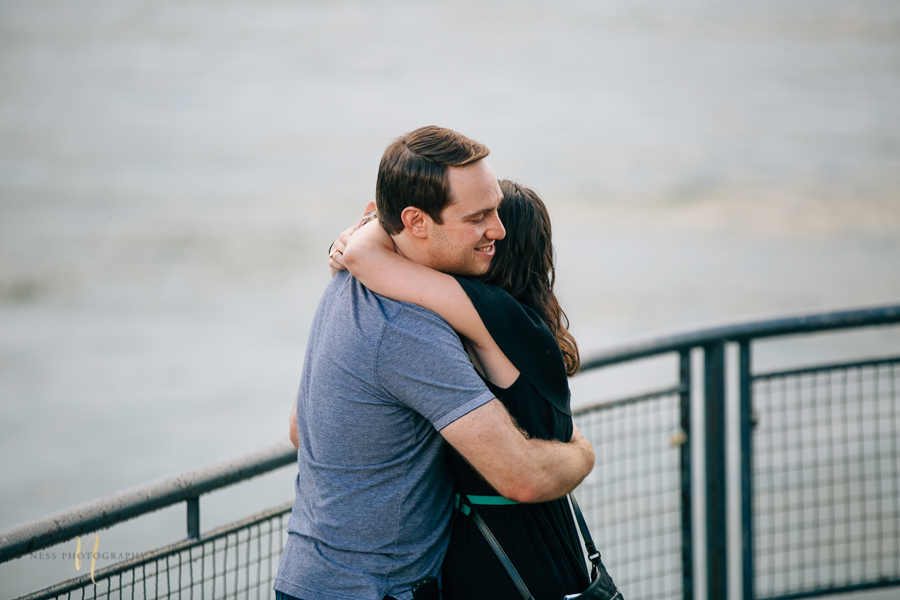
[497, 307]
[524, 338]
[481, 288]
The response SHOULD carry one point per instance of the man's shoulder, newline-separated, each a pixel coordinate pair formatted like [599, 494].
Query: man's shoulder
[413, 315]
[400, 315]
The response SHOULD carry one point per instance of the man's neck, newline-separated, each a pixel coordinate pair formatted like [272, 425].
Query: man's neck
[411, 248]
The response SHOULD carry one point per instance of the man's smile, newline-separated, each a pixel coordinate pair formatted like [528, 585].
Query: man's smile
[487, 250]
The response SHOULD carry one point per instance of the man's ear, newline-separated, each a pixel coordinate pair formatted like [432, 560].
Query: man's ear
[416, 222]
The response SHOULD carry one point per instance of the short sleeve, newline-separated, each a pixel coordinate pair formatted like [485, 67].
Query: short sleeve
[421, 363]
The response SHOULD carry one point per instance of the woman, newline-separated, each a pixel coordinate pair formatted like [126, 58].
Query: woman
[515, 332]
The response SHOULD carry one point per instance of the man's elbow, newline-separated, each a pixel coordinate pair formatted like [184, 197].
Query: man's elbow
[537, 486]
[293, 434]
[530, 488]
[525, 494]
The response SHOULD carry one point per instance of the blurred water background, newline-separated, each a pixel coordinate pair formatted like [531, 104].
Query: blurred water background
[171, 174]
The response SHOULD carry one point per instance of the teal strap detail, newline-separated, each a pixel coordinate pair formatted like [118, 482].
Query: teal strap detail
[481, 500]
[491, 500]
[464, 509]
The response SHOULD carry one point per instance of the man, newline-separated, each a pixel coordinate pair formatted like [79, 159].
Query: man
[385, 383]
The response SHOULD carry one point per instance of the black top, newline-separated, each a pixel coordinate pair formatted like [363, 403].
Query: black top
[541, 539]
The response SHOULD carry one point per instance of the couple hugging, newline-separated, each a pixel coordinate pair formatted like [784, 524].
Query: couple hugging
[434, 393]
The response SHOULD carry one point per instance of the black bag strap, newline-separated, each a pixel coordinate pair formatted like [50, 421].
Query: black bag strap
[593, 553]
[498, 550]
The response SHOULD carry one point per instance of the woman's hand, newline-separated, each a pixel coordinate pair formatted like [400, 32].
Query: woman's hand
[336, 251]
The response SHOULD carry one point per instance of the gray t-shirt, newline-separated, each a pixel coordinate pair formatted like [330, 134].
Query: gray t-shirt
[373, 495]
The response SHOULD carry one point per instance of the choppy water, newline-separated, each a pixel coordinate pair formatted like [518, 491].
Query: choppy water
[172, 172]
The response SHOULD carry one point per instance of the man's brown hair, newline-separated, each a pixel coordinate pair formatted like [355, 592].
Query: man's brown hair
[413, 172]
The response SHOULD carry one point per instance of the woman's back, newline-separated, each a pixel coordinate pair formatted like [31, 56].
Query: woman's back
[540, 539]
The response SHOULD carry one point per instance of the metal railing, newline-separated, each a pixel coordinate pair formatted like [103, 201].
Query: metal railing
[122, 506]
[820, 484]
[812, 523]
[826, 479]
[239, 560]
[633, 499]
[235, 561]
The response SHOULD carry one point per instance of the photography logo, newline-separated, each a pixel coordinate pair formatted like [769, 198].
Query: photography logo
[93, 555]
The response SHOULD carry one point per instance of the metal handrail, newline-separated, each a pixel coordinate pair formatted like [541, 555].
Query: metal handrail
[735, 331]
[187, 487]
[62, 526]
[712, 340]
[146, 558]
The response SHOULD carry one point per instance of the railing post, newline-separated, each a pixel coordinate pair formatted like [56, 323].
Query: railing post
[687, 528]
[746, 393]
[716, 498]
[193, 517]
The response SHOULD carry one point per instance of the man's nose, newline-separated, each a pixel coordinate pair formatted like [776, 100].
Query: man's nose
[496, 231]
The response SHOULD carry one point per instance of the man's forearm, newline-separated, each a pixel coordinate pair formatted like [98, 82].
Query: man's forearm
[555, 469]
[519, 468]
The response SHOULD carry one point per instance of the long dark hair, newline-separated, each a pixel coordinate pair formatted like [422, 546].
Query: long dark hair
[523, 264]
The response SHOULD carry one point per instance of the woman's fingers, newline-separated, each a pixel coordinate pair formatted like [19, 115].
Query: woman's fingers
[368, 214]
[336, 258]
[336, 255]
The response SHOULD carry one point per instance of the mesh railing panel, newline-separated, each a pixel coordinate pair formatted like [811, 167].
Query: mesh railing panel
[632, 500]
[826, 478]
[238, 561]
